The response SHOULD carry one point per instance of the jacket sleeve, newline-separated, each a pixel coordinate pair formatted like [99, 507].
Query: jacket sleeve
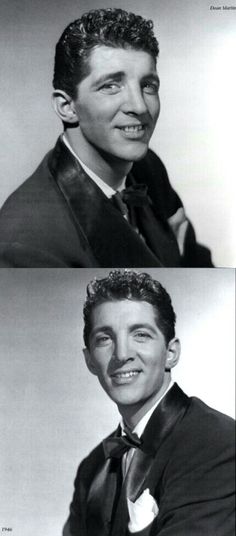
[75, 524]
[204, 504]
[16, 255]
[193, 254]
[198, 489]
[168, 206]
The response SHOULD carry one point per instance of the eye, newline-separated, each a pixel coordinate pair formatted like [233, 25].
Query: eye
[151, 88]
[110, 88]
[102, 340]
[142, 336]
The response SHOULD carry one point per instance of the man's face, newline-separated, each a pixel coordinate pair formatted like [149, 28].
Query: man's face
[118, 103]
[127, 351]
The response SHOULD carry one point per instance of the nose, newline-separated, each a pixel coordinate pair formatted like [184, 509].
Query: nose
[134, 102]
[122, 350]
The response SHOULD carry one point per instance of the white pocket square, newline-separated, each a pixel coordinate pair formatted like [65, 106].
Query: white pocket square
[142, 511]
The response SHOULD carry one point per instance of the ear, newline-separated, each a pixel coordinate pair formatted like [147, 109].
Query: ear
[89, 361]
[64, 107]
[173, 353]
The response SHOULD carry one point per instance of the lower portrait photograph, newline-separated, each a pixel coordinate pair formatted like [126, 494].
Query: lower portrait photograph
[117, 402]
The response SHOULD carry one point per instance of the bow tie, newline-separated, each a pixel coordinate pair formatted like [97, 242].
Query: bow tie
[133, 196]
[116, 446]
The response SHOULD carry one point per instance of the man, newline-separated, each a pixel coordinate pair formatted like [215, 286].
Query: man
[169, 468]
[74, 211]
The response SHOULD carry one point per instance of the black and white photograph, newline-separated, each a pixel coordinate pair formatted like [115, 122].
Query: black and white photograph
[56, 408]
[136, 96]
[117, 268]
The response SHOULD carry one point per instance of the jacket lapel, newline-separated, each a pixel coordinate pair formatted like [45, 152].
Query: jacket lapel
[159, 236]
[157, 232]
[102, 498]
[156, 450]
[109, 236]
[170, 410]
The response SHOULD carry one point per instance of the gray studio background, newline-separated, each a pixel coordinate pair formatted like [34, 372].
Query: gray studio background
[195, 135]
[53, 411]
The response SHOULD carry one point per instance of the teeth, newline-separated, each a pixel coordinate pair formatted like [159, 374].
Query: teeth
[135, 128]
[126, 374]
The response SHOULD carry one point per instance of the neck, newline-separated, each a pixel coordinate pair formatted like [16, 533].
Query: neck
[132, 414]
[110, 169]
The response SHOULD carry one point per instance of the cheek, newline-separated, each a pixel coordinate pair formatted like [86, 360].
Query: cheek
[156, 111]
[99, 113]
[155, 359]
[86, 116]
[101, 362]
[154, 107]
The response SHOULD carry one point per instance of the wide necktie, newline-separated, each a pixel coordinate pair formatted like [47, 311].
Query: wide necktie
[116, 446]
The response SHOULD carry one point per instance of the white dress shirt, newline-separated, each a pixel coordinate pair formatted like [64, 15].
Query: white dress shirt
[177, 222]
[107, 190]
[138, 430]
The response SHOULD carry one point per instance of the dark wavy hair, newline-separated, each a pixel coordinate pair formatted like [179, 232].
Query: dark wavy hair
[131, 285]
[110, 27]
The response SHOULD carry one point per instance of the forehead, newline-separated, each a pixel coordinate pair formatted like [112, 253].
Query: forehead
[103, 59]
[123, 313]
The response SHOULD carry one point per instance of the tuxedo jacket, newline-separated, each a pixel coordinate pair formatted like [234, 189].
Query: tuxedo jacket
[186, 461]
[60, 218]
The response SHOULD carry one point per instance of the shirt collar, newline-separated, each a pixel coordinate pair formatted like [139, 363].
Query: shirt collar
[141, 425]
[107, 190]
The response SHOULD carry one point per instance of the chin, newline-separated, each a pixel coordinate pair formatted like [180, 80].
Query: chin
[137, 154]
[125, 400]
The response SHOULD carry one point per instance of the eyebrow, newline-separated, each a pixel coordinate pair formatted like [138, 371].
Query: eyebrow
[133, 327]
[118, 75]
[106, 329]
[152, 76]
[142, 325]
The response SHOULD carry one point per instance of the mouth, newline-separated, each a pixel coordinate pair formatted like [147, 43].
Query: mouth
[133, 131]
[122, 377]
[132, 128]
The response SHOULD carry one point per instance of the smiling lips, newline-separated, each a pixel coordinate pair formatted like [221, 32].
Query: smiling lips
[133, 132]
[125, 376]
[132, 128]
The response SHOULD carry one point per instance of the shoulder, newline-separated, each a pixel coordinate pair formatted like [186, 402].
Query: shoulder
[40, 190]
[28, 204]
[219, 429]
[37, 184]
[202, 414]
[207, 434]
[35, 213]
[200, 468]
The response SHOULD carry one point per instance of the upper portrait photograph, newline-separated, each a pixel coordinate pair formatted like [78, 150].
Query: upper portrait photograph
[117, 134]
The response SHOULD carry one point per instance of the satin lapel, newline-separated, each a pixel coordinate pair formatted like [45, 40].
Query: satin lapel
[136, 476]
[157, 446]
[121, 518]
[101, 498]
[111, 239]
[157, 232]
[159, 236]
[161, 424]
